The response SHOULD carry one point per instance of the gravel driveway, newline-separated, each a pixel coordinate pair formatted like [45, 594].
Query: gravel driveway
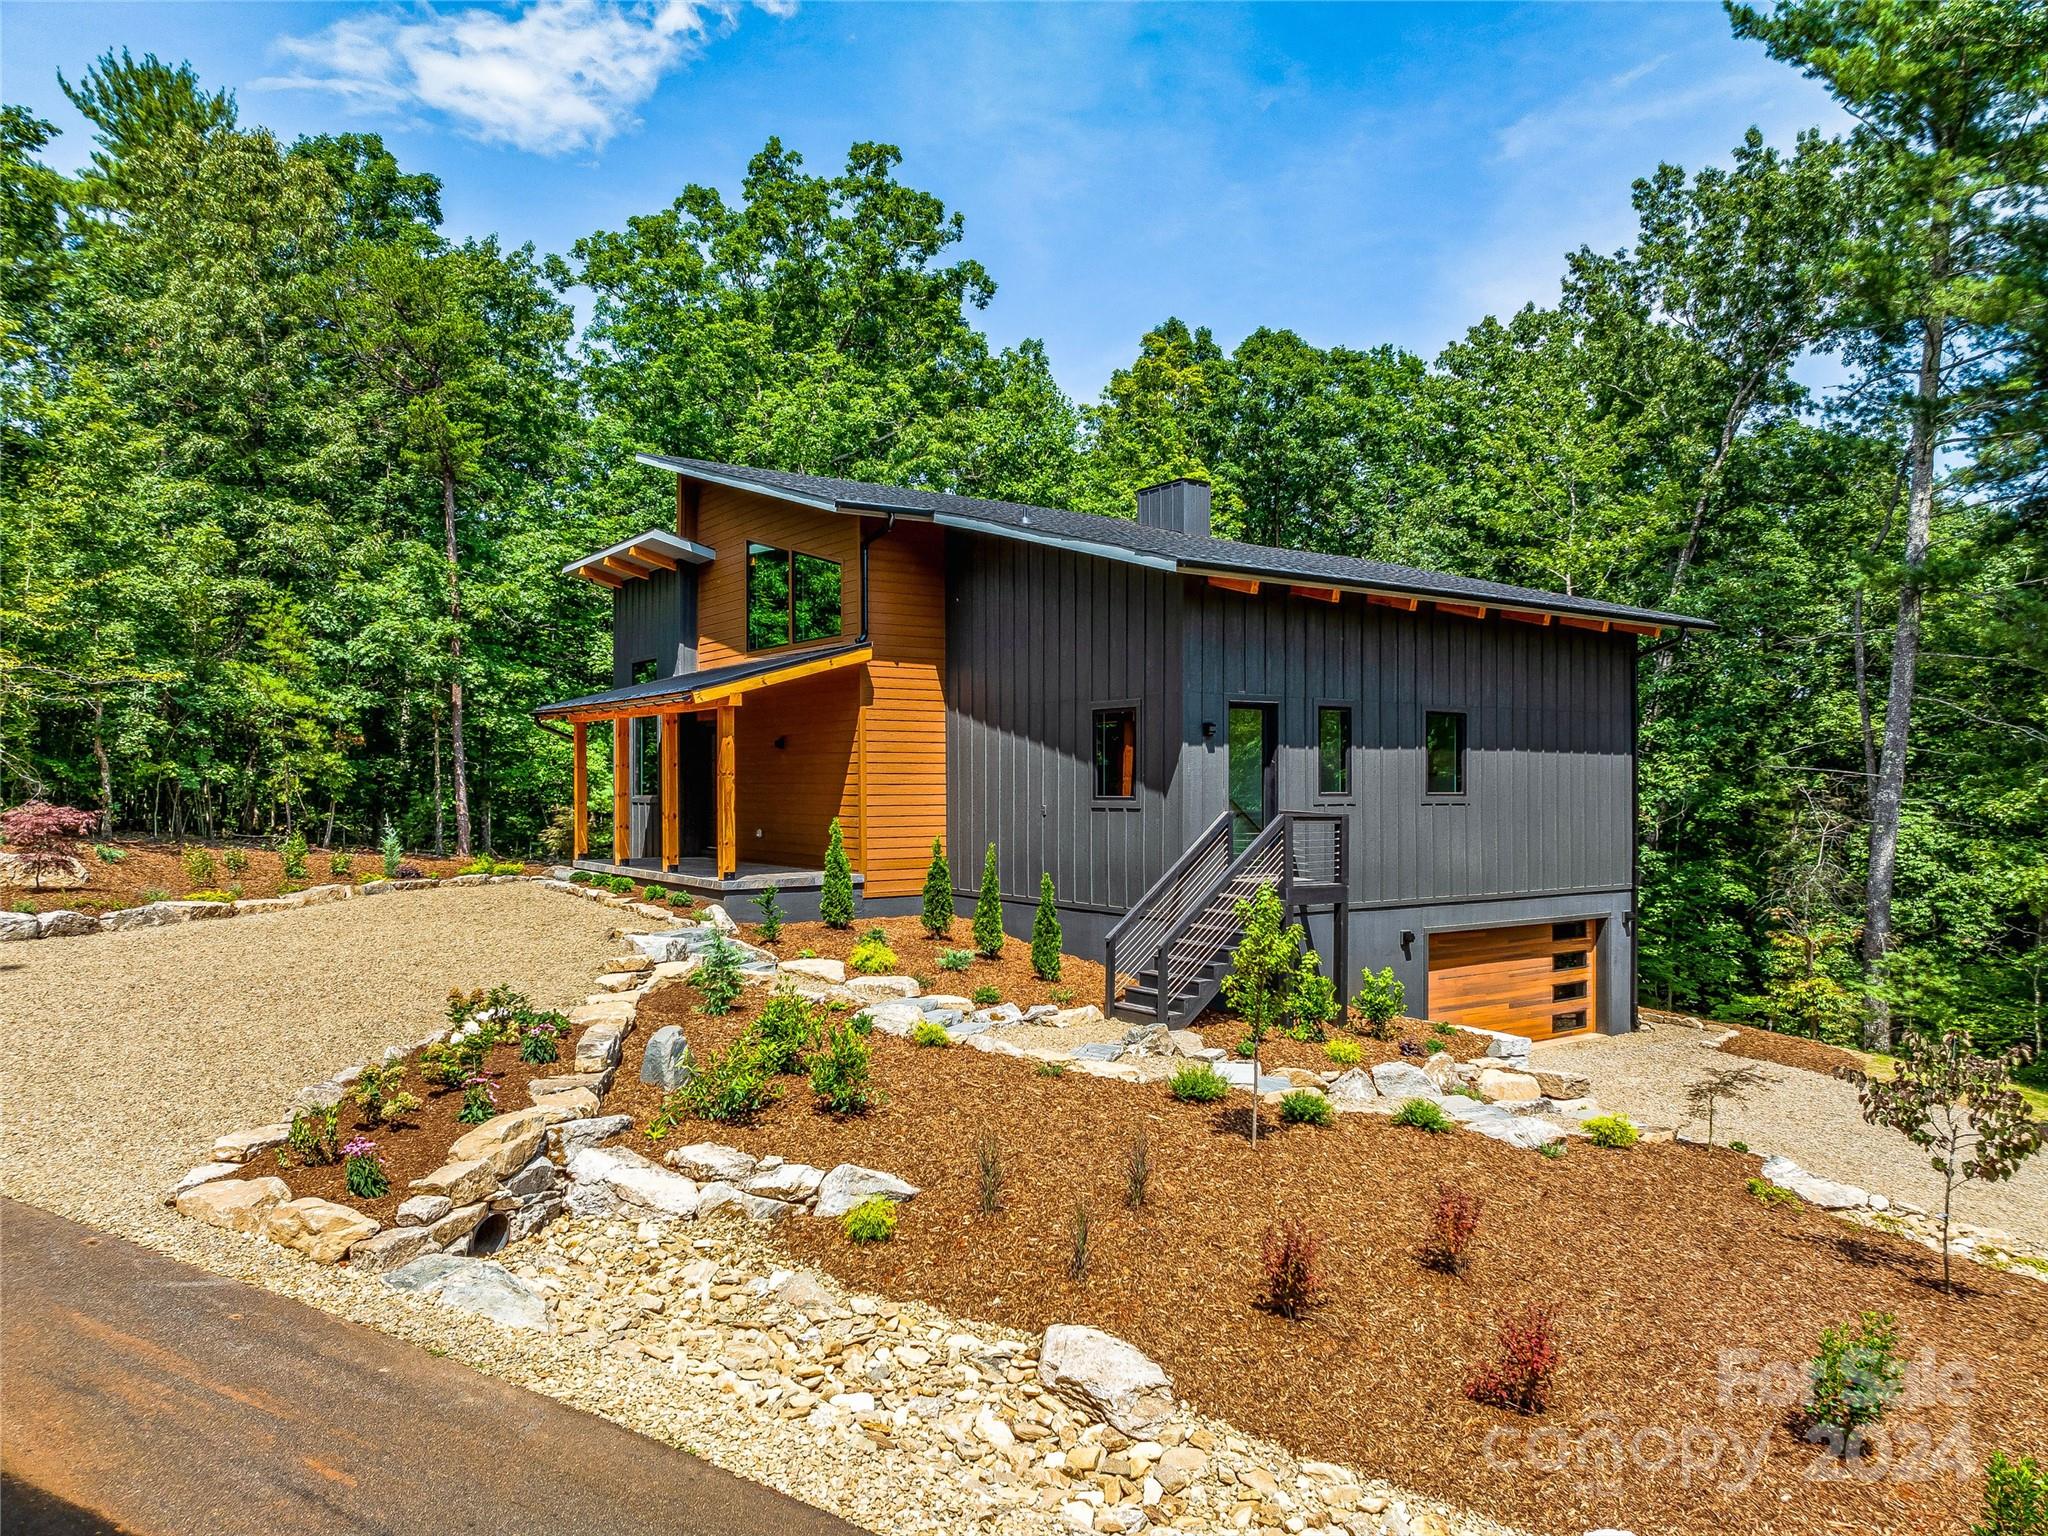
[1810, 1118]
[127, 1053]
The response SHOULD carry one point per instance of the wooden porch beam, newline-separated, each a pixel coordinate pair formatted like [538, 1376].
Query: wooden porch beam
[1463, 610]
[732, 693]
[1318, 594]
[632, 570]
[579, 793]
[1523, 616]
[602, 578]
[622, 788]
[647, 555]
[1244, 584]
[1394, 600]
[671, 791]
[728, 794]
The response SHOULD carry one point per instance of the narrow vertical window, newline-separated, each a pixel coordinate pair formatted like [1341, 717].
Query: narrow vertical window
[1443, 742]
[1333, 750]
[1116, 754]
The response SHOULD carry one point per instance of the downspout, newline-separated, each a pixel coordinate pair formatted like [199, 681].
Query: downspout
[865, 540]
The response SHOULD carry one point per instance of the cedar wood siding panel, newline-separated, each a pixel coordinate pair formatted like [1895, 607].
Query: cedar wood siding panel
[727, 521]
[1036, 639]
[788, 795]
[904, 719]
[1548, 735]
[654, 619]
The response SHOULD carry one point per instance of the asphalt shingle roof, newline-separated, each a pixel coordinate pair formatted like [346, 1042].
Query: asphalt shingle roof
[697, 682]
[1117, 537]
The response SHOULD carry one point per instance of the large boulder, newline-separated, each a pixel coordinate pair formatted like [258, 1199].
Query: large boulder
[628, 1179]
[710, 1160]
[18, 925]
[247, 1146]
[849, 1184]
[817, 969]
[389, 1249]
[473, 1285]
[1099, 1372]
[507, 1142]
[793, 1183]
[1813, 1189]
[895, 1018]
[462, 1182]
[240, 1205]
[1562, 1085]
[1075, 1018]
[597, 1048]
[1402, 1080]
[665, 1062]
[572, 1136]
[191, 1178]
[1498, 1085]
[322, 1230]
[64, 924]
[880, 989]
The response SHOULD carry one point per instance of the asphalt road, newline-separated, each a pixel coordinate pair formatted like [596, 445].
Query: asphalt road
[142, 1395]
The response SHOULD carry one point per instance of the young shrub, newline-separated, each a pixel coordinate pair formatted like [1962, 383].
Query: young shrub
[1247, 1048]
[787, 1030]
[732, 1087]
[683, 901]
[44, 837]
[1552, 1150]
[391, 854]
[929, 1032]
[291, 854]
[107, 853]
[1137, 1170]
[956, 959]
[872, 1221]
[1738, 1146]
[2015, 1497]
[1077, 1243]
[576, 876]
[1051, 1068]
[341, 864]
[839, 1073]
[1465, 1091]
[835, 901]
[1380, 999]
[314, 1139]
[363, 1170]
[1345, 1053]
[1196, 1082]
[1526, 1358]
[377, 1094]
[1045, 934]
[938, 894]
[986, 997]
[1291, 1259]
[150, 895]
[1732, 1084]
[1452, 1225]
[1767, 1193]
[540, 1040]
[1854, 1378]
[988, 911]
[652, 893]
[235, 861]
[212, 895]
[1422, 1115]
[479, 1101]
[1263, 972]
[452, 1063]
[988, 1172]
[872, 956]
[1060, 997]
[1616, 1132]
[1961, 1110]
[1312, 1000]
[717, 978]
[769, 902]
[199, 866]
[1304, 1106]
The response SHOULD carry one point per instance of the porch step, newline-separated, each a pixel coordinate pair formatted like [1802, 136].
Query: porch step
[1139, 1002]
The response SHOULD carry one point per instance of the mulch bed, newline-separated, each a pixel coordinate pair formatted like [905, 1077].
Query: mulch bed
[1223, 1029]
[1657, 1259]
[155, 871]
[917, 954]
[420, 1144]
[1792, 1051]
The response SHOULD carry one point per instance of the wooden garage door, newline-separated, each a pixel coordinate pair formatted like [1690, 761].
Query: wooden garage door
[1536, 980]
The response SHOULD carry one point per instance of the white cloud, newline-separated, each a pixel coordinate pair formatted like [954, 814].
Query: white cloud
[549, 76]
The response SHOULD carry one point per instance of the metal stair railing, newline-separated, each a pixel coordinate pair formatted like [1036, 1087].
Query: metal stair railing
[1191, 879]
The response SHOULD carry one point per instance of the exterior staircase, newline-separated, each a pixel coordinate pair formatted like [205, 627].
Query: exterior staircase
[1176, 943]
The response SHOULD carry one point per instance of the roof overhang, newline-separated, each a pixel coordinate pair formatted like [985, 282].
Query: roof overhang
[1412, 600]
[717, 688]
[642, 555]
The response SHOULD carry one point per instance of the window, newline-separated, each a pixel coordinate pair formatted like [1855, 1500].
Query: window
[1443, 743]
[791, 597]
[1570, 960]
[1567, 991]
[1565, 1023]
[1116, 753]
[1333, 750]
[1563, 931]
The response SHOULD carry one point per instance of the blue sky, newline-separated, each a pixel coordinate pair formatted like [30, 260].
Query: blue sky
[1361, 174]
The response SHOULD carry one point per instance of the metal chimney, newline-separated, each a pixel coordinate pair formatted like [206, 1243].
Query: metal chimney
[1178, 506]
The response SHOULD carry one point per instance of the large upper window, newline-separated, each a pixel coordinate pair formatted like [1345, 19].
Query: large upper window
[1333, 750]
[1116, 753]
[791, 597]
[1443, 743]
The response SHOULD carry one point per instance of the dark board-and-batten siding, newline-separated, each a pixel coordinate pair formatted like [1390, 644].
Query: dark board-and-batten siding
[1037, 638]
[654, 618]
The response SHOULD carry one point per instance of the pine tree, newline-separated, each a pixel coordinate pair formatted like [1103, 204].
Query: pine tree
[835, 902]
[988, 911]
[938, 894]
[1045, 934]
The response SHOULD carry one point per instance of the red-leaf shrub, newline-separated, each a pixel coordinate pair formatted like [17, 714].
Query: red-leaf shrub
[41, 836]
[1451, 1228]
[1292, 1257]
[1518, 1377]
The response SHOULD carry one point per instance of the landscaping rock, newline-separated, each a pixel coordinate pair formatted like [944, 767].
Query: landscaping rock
[537, 1180]
[19, 925]
[1562, 1085]
[572, 1136]
[1402, 1080]
[719, 918]
[710, 1160]
[473, 1285]
[1100, 1372]
[876, 989]
[325, 1094]
[1497, 1085]
[322, 1230]
[1076, 1018]
[945, 1002]
[246, 1146]
[1181, 1465]
[389, 1249]
[895, 1018]
[666, 1061]
[632, 1180]
[240, 1205]
[1814, 1190]
[720, 1195]
[816, 969]
[1103, 1050]
[61, 873]
[461, 1182]
[1239, 1075]
[458, 1224]
[849, 1184]
[192, 1178]
[65, 924]
[1001, 1013]
[1351, 1087]
[579, 1103]
[795, 1183]
[1184, 1042]
[423, 1210]
[507, 1142]
[546, 1090]
[597, 1048]
[669, 944]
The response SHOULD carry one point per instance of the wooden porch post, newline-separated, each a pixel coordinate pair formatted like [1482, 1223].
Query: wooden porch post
[671, 791]
[579, 794]
[728, 807]
[622, 789]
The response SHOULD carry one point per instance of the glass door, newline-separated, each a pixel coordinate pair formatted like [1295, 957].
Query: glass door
[1250, 772]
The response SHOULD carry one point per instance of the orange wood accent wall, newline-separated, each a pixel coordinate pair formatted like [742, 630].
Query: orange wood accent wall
[789, 794]
[727, 521]
[1505, 978]
[903, 723]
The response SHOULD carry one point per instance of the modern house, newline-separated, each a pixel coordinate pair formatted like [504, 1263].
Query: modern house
[1438, 772]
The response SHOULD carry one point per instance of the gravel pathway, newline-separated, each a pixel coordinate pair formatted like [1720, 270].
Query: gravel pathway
[1810, 1118]
[128, 1053]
